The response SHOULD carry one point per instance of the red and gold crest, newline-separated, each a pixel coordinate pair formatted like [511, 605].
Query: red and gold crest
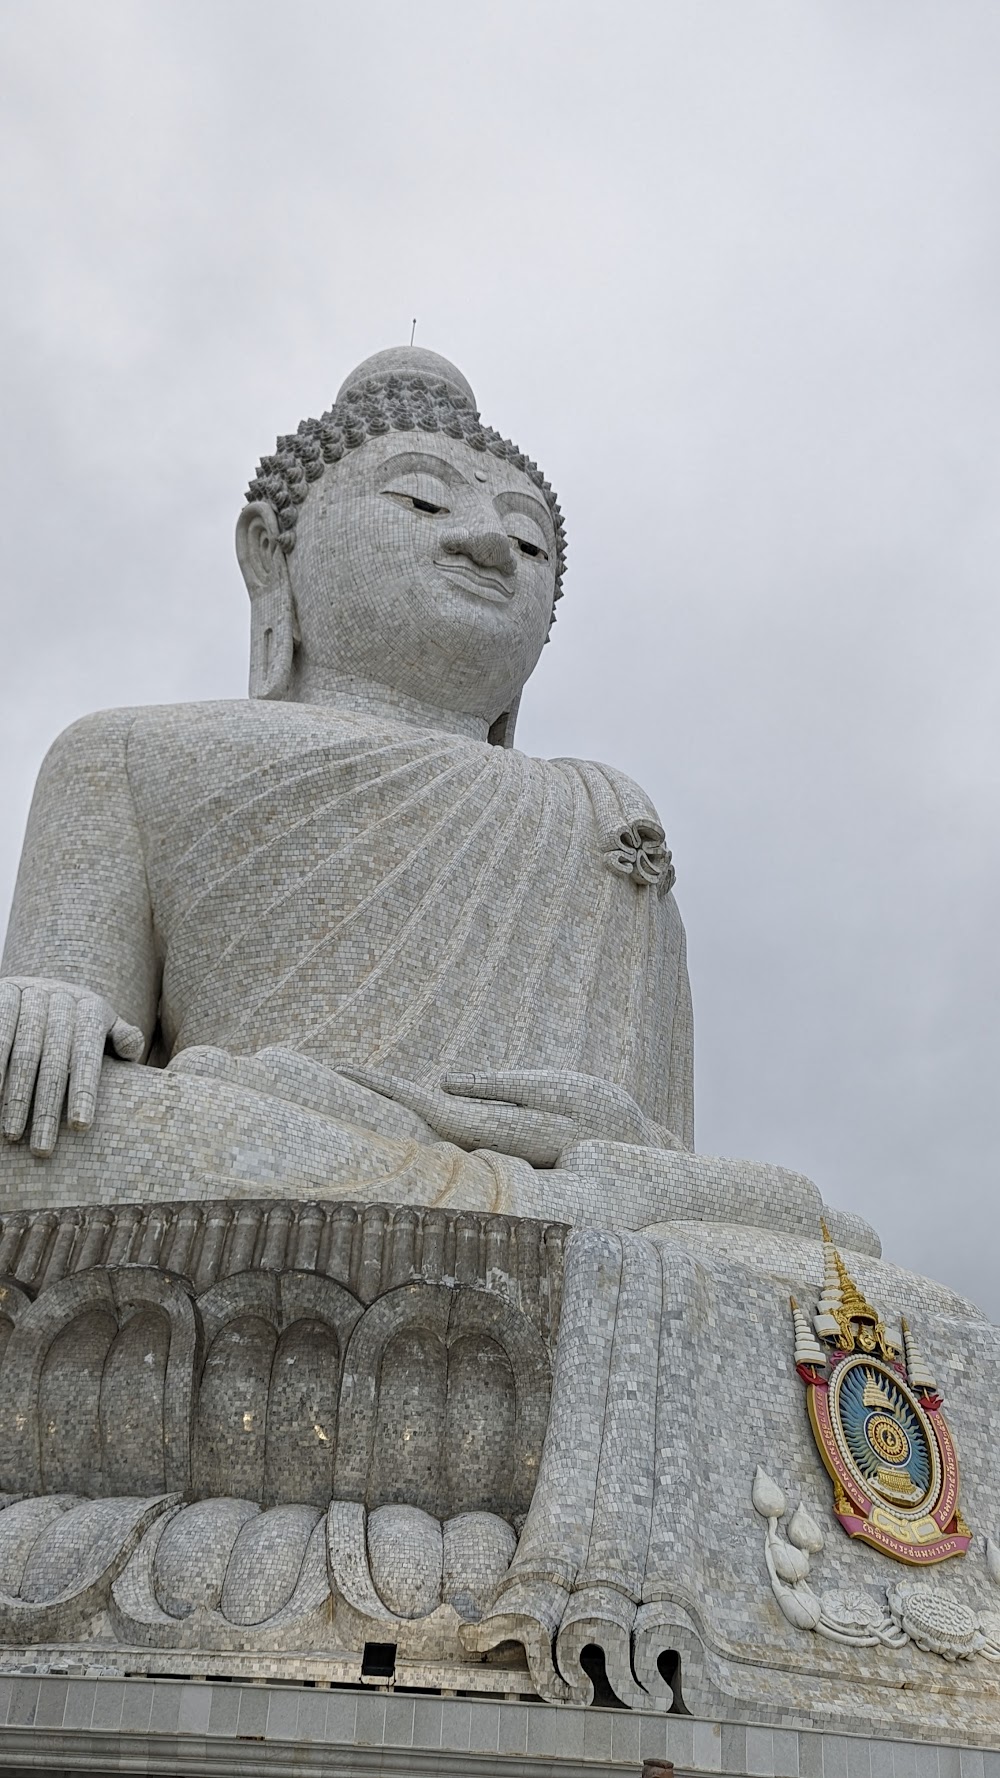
[876, 1416]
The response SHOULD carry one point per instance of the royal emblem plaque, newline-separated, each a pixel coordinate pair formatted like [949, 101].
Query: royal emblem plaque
[877, 1418]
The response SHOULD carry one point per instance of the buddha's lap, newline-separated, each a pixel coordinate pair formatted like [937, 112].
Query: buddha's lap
[160, 1135]
[163, 1135]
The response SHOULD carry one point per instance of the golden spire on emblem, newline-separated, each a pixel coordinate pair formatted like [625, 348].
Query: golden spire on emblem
[843, 1314]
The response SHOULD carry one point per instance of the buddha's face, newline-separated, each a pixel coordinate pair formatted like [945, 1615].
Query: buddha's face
[426, 566]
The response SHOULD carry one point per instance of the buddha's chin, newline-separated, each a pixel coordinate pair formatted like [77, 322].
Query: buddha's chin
[471, 610]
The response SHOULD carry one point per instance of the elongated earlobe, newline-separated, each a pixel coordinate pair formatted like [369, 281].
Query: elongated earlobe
[272, 641]
[502, 730]
[272, 606]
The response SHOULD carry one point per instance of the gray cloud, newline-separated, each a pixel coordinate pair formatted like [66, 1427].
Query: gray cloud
[729, 269]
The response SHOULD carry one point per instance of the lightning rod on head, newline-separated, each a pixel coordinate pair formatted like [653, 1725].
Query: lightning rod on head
[413, 329]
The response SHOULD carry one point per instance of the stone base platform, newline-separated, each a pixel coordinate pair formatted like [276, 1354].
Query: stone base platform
[90, 1721]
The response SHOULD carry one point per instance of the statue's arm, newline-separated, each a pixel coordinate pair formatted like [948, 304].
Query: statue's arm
[79, 965]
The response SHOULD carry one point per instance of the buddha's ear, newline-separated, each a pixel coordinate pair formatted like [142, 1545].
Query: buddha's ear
[273, 627]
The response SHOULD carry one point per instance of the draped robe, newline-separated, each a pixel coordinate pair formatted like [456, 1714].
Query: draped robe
[359, 890]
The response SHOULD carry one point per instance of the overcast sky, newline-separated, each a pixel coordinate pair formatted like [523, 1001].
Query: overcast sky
[730, 270]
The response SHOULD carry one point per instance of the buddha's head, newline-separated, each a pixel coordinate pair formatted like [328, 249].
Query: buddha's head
[397, 542]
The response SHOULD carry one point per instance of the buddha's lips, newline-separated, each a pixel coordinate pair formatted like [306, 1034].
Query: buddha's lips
[473, 580]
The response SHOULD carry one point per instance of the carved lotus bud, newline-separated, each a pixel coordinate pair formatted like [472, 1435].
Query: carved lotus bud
[801, 1607]
[767, 1496]
[804, 1532]
[790, 1565]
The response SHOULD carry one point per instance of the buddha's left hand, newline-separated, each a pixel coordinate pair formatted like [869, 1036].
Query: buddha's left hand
[535, 1113]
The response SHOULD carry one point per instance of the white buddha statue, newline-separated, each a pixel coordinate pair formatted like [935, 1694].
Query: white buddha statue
[341, 941]
[359, 943]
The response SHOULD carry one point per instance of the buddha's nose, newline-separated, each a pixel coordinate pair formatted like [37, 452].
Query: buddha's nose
[485, 545]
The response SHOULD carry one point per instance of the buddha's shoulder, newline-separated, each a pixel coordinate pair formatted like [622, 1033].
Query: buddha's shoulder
[178, 726]
[172, 751]
[151, 746]
[608, 787]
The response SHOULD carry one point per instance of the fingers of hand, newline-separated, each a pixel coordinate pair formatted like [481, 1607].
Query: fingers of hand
[25, 1056]
[481, 1118]
[462, 1121]
[598, 1108]
[492, 1083]
[127, 1041]
[90, 1031]
[537, 1089]
[53, 1073]
[454, 1120]
[10, 1007]
[378, 1079]
[427, 1102]
[534, 1136]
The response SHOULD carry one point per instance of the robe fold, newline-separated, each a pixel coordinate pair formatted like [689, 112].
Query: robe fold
[376, 895]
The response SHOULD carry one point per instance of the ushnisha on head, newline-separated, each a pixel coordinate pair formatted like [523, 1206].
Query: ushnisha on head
[397, 542]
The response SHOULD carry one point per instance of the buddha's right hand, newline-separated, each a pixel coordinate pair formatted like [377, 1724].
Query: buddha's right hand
[52, 1038]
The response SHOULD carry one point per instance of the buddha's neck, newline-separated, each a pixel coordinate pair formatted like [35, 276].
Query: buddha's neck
[312, 684]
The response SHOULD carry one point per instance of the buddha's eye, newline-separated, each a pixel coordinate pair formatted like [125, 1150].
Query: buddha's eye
[414, 502]
[534, 550]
